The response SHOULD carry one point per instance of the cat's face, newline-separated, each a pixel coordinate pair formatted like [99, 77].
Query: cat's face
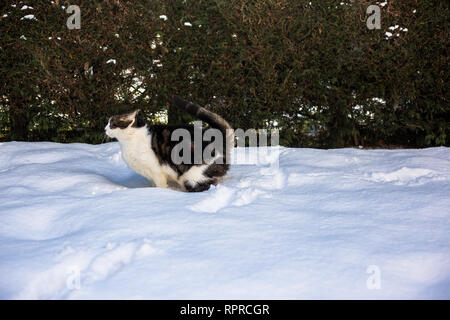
[123, 125]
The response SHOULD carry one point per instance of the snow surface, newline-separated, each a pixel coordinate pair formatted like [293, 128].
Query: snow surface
[77, 223]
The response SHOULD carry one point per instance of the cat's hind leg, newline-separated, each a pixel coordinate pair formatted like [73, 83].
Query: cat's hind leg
[199, 186]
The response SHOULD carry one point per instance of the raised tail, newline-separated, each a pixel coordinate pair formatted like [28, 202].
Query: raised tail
[211, 118]
[214, 120]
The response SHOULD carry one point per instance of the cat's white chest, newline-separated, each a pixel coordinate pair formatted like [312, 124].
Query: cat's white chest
[139, 156]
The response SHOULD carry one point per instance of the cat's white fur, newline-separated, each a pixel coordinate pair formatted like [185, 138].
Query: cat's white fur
[194, 175]
[135, 145]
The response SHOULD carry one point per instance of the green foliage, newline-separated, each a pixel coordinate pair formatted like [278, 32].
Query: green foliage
[313, 70]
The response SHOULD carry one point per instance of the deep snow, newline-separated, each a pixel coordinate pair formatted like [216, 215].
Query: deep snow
[75, 222]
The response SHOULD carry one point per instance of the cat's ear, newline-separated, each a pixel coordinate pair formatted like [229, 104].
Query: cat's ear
[132, 116]
[136, 112]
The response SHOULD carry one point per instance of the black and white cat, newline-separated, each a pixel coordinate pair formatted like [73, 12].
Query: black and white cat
[147, 149]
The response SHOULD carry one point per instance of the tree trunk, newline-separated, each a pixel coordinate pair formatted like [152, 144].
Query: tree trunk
[19, 121]
[174, 115]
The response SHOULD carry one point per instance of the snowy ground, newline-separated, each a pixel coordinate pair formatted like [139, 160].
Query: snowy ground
[76, 223]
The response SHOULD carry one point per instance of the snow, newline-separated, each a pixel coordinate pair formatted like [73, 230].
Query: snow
[77, 223]
[29, 17]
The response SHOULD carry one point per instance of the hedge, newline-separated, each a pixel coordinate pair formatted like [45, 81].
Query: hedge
[311, 69]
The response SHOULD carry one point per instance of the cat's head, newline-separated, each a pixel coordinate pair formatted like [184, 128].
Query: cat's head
[124, 125]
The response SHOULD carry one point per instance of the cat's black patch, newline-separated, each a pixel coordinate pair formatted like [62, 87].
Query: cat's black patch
[123, 121]
[119, 122]
[217, 169]
[199, 187]
[139, 122]
[163, 145]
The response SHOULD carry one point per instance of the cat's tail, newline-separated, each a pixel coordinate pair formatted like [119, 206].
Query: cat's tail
[211, 118]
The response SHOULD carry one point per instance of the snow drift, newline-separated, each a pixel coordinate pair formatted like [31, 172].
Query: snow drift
[77, 223]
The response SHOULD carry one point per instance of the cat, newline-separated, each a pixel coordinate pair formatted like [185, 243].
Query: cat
[147, 149]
